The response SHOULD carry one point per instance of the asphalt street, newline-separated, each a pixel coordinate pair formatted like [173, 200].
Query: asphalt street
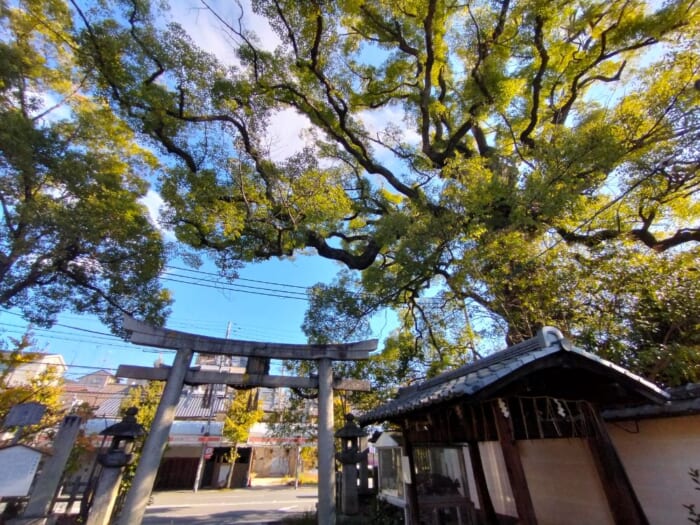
[260, 505]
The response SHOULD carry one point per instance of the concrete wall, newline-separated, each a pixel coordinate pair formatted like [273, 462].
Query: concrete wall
[24, 373]
[564, 483]
[657, 454]
[274, 461]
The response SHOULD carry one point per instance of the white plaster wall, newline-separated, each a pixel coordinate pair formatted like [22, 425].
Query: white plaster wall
[657, 454]
[564, 483]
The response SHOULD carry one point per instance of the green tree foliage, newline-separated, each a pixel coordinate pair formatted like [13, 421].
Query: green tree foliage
[19, 384]
[243, 412]
[473, 164]
[73, 234]
[146, 399]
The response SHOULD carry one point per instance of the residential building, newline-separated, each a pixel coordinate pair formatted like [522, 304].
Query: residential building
[24, 373]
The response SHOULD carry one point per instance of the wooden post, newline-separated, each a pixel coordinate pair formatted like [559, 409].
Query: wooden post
[326, 455]
[47, 482]
[154, 447]
[482, 490]
[514, 467]
[412, 512]
[622, 500]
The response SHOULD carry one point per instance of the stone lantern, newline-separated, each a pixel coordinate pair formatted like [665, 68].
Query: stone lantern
[123, 436]
[349, 457]
[113, 462]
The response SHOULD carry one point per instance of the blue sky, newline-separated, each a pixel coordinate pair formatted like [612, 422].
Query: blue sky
[86, 344]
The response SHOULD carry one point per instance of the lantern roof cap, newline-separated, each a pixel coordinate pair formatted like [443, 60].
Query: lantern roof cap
[128, 427]
[351, 429]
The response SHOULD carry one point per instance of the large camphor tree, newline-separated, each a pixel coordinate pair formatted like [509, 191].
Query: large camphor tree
[473, 165]
[73, 232]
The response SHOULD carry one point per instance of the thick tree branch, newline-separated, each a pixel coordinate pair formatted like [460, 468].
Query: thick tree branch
[681, 236]
[360, 261]
[643, 235]
[525, 137]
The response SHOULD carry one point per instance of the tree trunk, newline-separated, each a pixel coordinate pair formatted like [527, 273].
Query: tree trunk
[233, 456]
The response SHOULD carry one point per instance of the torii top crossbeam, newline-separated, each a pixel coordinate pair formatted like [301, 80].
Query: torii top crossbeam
[147, 335]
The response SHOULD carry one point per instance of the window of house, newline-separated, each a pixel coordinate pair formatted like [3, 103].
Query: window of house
[439, 471]
[441, 486]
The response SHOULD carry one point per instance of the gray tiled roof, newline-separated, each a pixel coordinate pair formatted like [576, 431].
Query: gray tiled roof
[190, 406]
[470, 379]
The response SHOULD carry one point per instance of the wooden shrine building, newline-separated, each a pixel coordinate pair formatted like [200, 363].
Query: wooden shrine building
[516, 437]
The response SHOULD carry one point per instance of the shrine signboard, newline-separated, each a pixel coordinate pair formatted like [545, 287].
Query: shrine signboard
[19, 466]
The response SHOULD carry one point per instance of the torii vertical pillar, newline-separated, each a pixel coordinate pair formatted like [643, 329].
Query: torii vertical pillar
[137, 498]
[326, 450]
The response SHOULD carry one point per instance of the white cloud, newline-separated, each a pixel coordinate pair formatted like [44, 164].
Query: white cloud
[377, 120]
[154, 202]
[286, 134]
[209, 32]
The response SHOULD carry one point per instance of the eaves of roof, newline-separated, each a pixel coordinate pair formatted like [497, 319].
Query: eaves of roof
[685, 401]
[474, 378]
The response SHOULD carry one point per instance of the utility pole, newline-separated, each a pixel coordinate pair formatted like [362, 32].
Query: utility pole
[205, 443]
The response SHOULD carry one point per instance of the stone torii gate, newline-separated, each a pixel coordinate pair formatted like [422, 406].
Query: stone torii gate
[258, 355]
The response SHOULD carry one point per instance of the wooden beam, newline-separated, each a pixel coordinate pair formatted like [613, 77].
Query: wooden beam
[514, 467]
[622, 500]
[144, 334]
[467, 418]
[201, 377]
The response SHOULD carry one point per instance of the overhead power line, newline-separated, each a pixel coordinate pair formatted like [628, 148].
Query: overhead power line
[218, 285]
[285, 285]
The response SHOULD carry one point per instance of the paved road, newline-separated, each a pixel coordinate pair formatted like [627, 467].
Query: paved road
[259, 505]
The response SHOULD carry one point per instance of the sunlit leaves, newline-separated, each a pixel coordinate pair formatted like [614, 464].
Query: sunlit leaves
[74, 234]
[145, 398]
[242, 413]
[505, 158]
[22, 380]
